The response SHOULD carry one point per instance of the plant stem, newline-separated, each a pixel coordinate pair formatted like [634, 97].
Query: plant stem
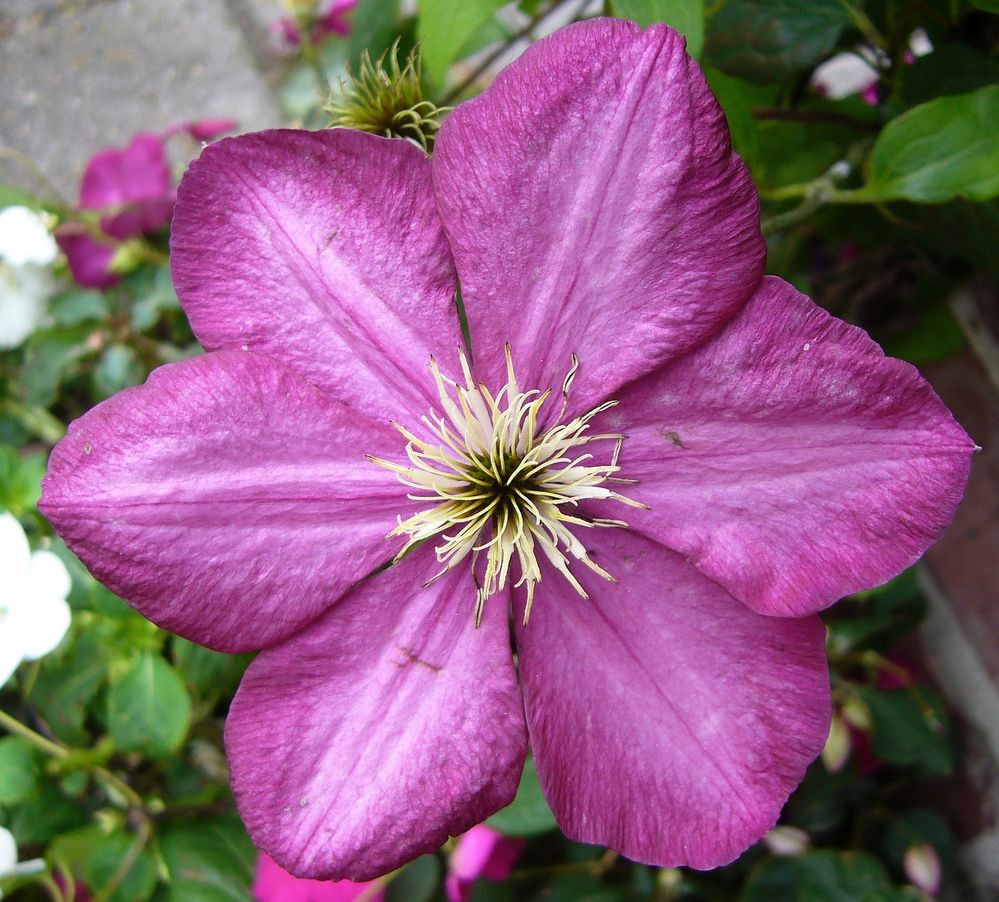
[109, 780]
[13, 725]
[818, 116]
[864, 25]
[55, 199]
[127, 863]
[781, 221]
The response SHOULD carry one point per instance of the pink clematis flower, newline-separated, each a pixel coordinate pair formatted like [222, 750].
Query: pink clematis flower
[134, 184]
[273, 883]
[482, 852]
[671, 674]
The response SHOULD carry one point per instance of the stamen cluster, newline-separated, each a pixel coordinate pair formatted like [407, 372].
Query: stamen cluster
[504, 485]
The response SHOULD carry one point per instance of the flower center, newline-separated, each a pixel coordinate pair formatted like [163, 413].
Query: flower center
[502, 485]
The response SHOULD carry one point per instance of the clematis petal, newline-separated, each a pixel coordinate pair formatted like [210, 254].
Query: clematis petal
[227, 499]
[667, 720]
[323, 249]
[272, 883]
[380, 729]
[594, 206]
[789, 459]
[120, 175]
[89, 260]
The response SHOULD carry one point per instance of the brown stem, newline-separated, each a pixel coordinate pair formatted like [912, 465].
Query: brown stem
[524, 32]
[819, 116]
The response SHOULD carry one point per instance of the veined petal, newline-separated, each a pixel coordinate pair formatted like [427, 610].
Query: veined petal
[668, 721]
[226, 499]
[380, 729]
[324, 250]
[789, 459]
[594, 206]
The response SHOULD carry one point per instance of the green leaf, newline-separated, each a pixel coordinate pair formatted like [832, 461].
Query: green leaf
[66, 684]
[95, 858]
[939, 151]
[209, 860]
[416, 882]
[153, 295]
[119, 367]
[445, 27]
[20, 480]
[78, 306]
[949, 69]
[990, 6]
[911, 728]
[207, 672]
[738, 98]
[528, 813]
[895, 832]
[769, 40]
[51, 356]
[20, 770]
[934, 336]
[374, 26]
[686, 16]
[823, 801]
[878, 618]
[960, 228]
[38, 819]
[826, 875]
[148, 707]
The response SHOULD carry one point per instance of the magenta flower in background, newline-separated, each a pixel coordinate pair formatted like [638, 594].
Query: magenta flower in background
[134, 185]
[763, 459]
[483, 853]
[273, 883]
[331, 18]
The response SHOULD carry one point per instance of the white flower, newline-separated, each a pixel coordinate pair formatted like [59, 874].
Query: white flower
[25, 238]
[8, 859]
[24, 294]
[27, 250]
[853, 73]
[846, 74]
[34, 615]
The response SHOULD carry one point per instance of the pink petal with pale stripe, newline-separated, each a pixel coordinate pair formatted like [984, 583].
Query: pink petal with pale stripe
[789, 459]
[324, 250]
[226, 499]
[667, 720]
[380, 729]
[594, 206]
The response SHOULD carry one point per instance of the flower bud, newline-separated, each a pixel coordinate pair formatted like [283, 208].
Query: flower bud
[922, 866]
[386, 99]
[787, 841]
[836, 751]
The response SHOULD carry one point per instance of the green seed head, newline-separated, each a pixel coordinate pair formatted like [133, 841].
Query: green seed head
[385, 98]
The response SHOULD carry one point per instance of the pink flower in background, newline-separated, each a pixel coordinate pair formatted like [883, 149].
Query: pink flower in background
[274, 884]
[133, 184]
[331, 18]
[762, 460]
[484, 853]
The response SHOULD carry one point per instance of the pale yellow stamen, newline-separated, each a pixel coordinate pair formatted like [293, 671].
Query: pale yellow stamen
[499, 488]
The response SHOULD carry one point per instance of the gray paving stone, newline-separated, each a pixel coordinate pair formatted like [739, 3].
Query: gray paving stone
[79, 76]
